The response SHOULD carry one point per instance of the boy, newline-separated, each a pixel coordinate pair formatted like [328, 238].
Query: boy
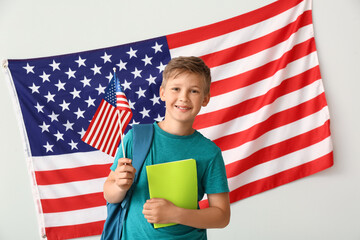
[185, 89]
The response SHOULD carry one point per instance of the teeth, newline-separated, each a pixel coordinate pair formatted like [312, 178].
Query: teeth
[182, 108]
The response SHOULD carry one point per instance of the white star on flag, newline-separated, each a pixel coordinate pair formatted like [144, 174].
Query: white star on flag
[121, 65]
[145, 113]
[73, 144]
[29, 68]
[161, 67]
[151, 80]
[86, 82]
[141, 93]
[147, 60]
[137, 73]
[60, 85]
[53, 116]
[50, 97]
[81, 62]
[34, 88]
[55, 65]
[157, 47]
[44, 127]
[39, 107]
[48, 147]
[100, 89]
[68, 125]
[59, 136]
[75, 93]
[70, 73]
[132, 53]
[96, 69]
[64, 105]
[45, 77]
[106, 58]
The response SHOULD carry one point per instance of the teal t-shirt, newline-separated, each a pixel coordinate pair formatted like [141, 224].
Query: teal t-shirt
[167, 148]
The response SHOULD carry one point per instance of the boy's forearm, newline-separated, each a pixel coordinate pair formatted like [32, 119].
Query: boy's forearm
[212, 217]
[112, 193]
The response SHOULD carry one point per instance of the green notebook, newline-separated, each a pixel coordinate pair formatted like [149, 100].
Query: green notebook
[176, 182]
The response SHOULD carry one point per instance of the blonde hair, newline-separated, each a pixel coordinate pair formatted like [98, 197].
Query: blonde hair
[191, 64]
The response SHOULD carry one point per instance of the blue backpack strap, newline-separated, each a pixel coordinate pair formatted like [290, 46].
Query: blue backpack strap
[142, 139]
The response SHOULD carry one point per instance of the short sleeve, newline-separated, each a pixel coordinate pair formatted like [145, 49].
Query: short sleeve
[128, 150]
[215, 180]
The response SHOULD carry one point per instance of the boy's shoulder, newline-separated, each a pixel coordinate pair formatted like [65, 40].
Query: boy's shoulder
[210, 144]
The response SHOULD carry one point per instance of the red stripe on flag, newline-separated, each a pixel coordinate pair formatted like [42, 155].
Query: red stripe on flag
[254, 104]
[75, 231]
[282, 178]
[115, 130]
[278, 179]
[89, 133]
[104, 124]
[262, 72]
[229, 25]
[73, 203]
[72, 174]
[279, 149]
[96, 124]
[251, 47]
[276, 120]
[111, 124]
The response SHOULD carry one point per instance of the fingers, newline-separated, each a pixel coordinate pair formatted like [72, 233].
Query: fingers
[156, 210]
[148, 213]
[124, 173]
[124, 161]
[124, 165]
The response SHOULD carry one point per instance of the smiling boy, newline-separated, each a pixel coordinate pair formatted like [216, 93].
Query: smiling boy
[185, 89]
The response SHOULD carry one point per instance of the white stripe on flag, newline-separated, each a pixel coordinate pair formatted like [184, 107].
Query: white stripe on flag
[259, 88]
[282, 103]
[245, 64]
[71, 160]
[283, 163]
[277, 135]
[242, 35]
[75, 217]
[71, 189]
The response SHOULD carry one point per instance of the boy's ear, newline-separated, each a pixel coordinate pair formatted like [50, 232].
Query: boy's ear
[206, 100]
[161, 93]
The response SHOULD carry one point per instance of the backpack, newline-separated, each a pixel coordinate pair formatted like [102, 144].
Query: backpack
[116, 212]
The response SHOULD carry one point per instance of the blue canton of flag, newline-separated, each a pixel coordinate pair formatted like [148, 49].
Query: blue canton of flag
[59, 95]
[110, 92]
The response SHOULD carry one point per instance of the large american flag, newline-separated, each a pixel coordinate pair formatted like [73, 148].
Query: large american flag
[268, 111]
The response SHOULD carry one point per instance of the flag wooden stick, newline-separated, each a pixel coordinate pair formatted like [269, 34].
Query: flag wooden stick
[121, 128]
[121, 135]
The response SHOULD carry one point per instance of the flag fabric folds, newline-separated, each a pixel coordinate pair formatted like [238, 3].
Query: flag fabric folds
[267, 113]
[110, 120]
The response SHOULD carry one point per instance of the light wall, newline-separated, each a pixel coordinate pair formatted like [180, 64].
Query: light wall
[325, 206]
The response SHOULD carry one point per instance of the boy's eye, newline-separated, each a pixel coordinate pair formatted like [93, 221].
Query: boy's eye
[194, 91]
[175, 89]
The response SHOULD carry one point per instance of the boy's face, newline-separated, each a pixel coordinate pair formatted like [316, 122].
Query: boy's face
[184, 96]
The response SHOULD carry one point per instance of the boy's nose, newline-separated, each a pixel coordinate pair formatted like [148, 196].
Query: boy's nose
[183, 96]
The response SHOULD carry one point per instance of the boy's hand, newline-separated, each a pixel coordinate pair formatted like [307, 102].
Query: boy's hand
[159, 210]
[124, 174]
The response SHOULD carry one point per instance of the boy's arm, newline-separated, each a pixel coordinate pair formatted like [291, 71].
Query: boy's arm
[119, 181]
[217, 215]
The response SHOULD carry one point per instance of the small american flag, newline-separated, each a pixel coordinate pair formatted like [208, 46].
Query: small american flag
[110, 120]
[268, 112]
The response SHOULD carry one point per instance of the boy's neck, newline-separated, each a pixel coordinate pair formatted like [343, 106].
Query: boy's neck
[176, 129]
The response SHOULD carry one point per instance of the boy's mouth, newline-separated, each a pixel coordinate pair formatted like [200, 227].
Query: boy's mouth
[182, 107]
